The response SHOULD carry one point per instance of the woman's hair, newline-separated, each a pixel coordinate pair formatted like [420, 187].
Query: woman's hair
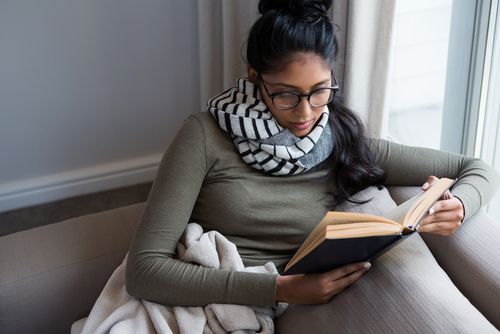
[287, 27]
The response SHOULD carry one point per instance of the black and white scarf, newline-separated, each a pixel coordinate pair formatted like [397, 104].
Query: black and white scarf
[261, 141]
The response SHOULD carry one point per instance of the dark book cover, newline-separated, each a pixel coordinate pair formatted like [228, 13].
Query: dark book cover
[333, 253]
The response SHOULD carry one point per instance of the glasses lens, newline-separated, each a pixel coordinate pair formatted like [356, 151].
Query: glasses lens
[321, 97]
[285, 100]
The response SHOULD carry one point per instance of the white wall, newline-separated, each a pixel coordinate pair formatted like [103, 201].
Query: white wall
[91, 93]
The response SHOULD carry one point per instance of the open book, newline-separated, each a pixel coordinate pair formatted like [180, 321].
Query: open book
[345, 237]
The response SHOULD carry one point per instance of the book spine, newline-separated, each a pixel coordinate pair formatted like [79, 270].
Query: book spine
[389, 246]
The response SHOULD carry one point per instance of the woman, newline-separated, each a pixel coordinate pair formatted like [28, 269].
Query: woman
[267, 161]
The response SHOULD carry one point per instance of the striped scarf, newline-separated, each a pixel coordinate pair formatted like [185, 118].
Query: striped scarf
[261, 141]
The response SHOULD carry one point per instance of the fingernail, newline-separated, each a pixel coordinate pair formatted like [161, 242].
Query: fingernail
[367, 265]
[431, 210]
[425, 185]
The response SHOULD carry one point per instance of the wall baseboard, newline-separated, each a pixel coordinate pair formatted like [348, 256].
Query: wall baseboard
[14, 195]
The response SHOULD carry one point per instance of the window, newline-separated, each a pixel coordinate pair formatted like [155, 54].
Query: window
[445, 86]
[418, 78]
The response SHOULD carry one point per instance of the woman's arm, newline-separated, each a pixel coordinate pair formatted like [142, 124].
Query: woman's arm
[151, 271]
[410, 165]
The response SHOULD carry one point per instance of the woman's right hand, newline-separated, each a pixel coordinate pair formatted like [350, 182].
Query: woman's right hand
[318, 288]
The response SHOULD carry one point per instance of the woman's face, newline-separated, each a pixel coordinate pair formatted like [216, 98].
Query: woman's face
[305, 72]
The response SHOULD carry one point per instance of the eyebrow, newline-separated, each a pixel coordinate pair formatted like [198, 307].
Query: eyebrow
[295, 87]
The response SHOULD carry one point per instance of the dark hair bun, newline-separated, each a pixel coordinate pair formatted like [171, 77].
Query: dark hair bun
[296, 7]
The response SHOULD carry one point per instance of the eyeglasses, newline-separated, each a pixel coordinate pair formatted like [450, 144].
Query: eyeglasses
[289, 99]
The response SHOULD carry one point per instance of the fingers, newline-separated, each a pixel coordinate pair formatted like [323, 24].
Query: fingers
[443, 228]
[447, 195]
[346, 281]
[318, 288]
[346, 270]
[450, 210]
[431, 179]
[444, 218]
[446, 205]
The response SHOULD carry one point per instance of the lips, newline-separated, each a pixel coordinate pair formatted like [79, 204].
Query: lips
[301, 125]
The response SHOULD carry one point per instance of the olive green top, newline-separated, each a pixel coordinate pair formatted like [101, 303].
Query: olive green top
[202, 179]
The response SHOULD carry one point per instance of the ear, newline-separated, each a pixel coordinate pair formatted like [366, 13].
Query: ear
[252, 74]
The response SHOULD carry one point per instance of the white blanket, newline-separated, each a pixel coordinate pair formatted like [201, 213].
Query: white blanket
[115, 311]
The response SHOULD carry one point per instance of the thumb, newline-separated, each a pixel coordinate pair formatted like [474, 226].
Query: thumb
[431, 179]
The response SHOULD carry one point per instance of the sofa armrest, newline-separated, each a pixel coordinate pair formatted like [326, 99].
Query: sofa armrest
[471, 257]
[51, 276]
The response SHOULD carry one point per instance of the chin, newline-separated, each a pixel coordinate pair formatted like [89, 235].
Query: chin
[302, 133]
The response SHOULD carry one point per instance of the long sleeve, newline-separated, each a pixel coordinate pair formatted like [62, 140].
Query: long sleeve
[151, 272]
[408, 165]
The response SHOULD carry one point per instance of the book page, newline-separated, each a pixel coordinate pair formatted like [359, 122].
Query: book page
[361, 230]
[433, 194]
[398, 213]
[410, 212]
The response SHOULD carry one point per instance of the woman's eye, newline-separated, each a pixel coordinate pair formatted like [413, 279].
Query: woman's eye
[322, 92]
[286, 96]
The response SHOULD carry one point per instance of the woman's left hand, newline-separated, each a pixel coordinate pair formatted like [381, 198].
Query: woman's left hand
[445, 216]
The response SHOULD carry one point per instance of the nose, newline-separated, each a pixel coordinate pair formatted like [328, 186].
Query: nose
[304, 107]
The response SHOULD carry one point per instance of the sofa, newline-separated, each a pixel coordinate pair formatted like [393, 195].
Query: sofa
[50, 276]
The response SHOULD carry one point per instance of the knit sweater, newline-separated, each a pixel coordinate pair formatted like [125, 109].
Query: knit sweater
[202, 179]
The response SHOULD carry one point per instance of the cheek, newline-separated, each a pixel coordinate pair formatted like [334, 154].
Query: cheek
[279, 117]
[277, 114]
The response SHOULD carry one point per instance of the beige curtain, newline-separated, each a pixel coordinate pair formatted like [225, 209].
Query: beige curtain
[366, 30]
[223, 27]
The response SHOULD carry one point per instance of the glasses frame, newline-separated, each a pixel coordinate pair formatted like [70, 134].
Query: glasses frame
[335, 88]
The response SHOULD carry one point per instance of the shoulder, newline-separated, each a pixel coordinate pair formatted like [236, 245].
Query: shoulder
[204, 118]
[199, 124]
[205, 125]
[205, 121]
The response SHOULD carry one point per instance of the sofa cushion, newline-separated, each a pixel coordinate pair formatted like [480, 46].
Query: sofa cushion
[51, 275]
[471, 257]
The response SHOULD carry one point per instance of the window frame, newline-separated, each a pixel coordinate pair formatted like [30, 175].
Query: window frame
[463, 108]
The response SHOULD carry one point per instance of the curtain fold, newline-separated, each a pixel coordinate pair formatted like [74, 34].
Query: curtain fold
[223, 26]
[366, 36]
